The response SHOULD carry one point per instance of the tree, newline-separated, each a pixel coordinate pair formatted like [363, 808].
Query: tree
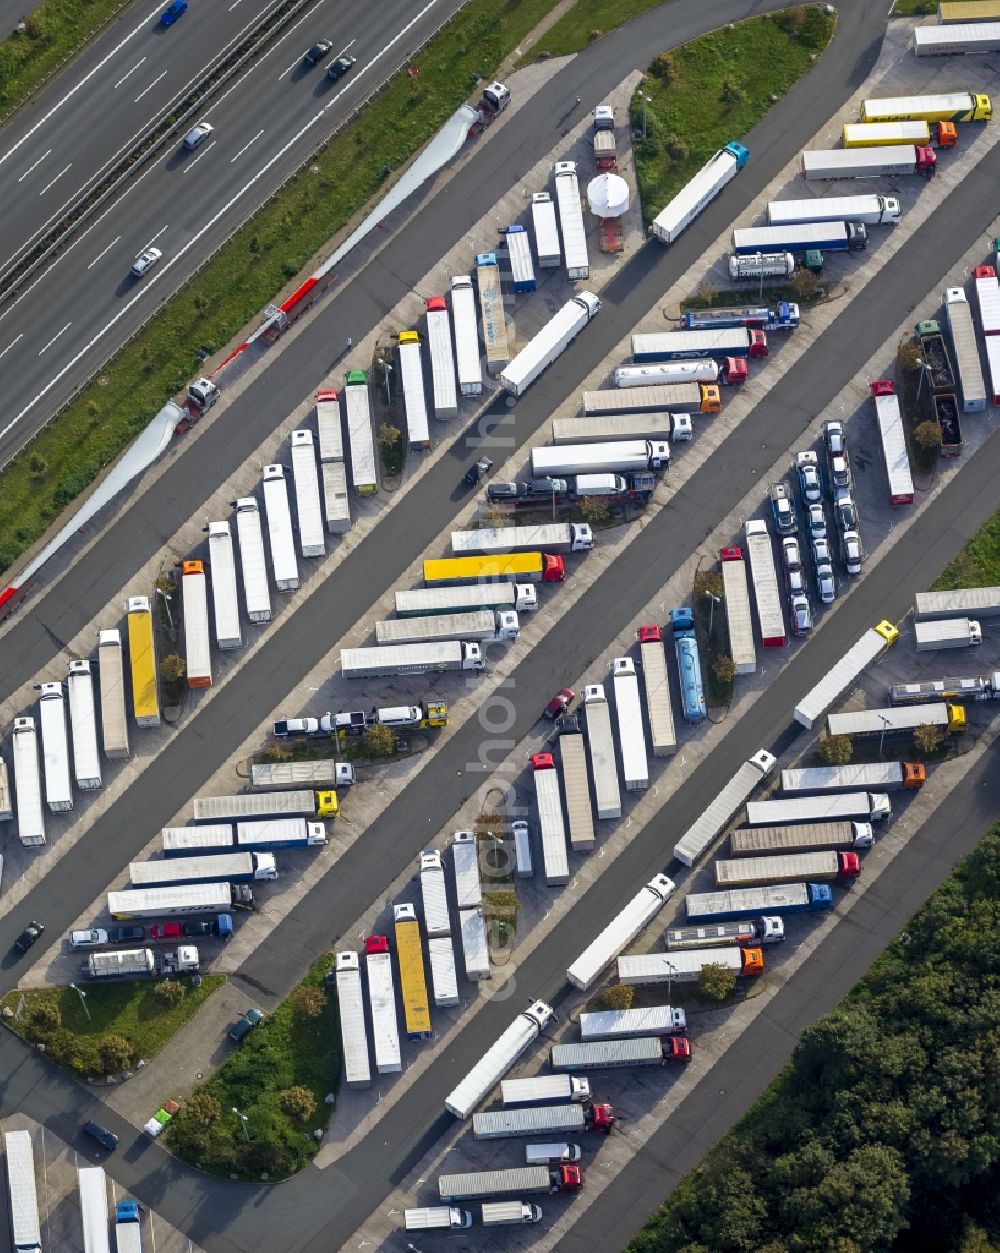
[309, 1000]
[379, 741]
[298, 1102]
[389, 435]
[927, 739]
[202, 1110]
[724, 669]
[37, 465]
[116, 1053]
[715, 983]
[927, 434]
[908, 357]
[595, 511]
[731, 94]
[709, 583]
[677, 148]
[664, 67]
[169, 993]
[805, 284]
[836, 750]
[618, 996]
[173, 669]
[43, 1018]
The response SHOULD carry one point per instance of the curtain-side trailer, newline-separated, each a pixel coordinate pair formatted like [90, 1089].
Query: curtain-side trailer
[631, 733]
[803, 237]
[878, 134]
[305, 804]
[738, 619]
[551, 827]
[876, 776]
[719, 344]
[522, 267]
[312, 537]
[142, 659]
[875, 723]
[284, 565]
[226, 867]
[225, 599]
[978, 602]
[23, 1194]
[576, 786]
[28, 784]
[55, 747]
[801, 837]
[965, 350]
[329, 429]
[332, 470]
[197, 641]
[442, 358]
[111, 673]
[357, 401]
[958, 106]
[984, 278]
[659, 707]
[353, 1033]
[382, 1001]
[83, 726]
[491, 311]
[892, 436]
[612, 428]
[412, 980]
[427, 602]
[574, 233]
[601, 746]
[819, 865]
[411, 372]
[543, 220]
[253, 563]
[885, 161]
[93, 1187]
[468, 364]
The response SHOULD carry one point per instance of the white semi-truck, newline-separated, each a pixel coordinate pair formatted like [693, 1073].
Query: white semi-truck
[55, 747]
[947, 633]
[111, 674]
[624, 1024]
[467, 359]
[685, 206]
[498, 1059]
[843, 673]
[367, 663]
[825, 807]
[601, 746]
[574, 232]
[442, 357]
[627, 456]
[549, 343]
[353, 1034]
[28, 784]
[284, 565]
[312, 533]
[253, 563]
[620, 932]
[382, 1000]
[468, 598]
[631, 734]
[178, 902]
[873, 210]
[225, 599]
[437, 920]
[874, 776]
[83, 726]
[721, 807]
[551, 827]
[550, 537]
[543, 221]
[23, 1194]
[477, 624]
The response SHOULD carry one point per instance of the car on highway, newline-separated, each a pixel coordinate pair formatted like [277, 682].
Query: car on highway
[845, 514]
[87, 939]
[816, 520]
[197, 135]
[807, 468]
[295, 728]
[850, 551]
[826, 587]
[145, 261]
[791, 554]
[559, 704]
[782, 509]
[166, 931]
[107, 1139]
[174, 10]
[318, 51]
[31, 934]
[343, 65]
[125, 935]
[800, 613]
[242, 1027]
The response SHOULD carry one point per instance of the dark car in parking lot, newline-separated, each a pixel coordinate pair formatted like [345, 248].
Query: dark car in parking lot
[125, 935]
[242, 1027]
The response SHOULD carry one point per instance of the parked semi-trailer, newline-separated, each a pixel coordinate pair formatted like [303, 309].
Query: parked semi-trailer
[673, 398]
[737, 597]
[176, 902]
[801, 837]
[142, 659]
[491, 311]
[253, 564]
[574, 233]
[329, 430]
[620, 932]
[804, 237]
[758, 266]
[875, 134]
[545, 1090]
[686, 966]
[309, 512]
[28, 784]
[721, 808]
[353, 1033]
[111, 676]
[305, 774]
[498, 1059]
[611, 429]
[631, 734]
[6, 796]
[576, 786]
[482, 625]
[510, 568]
[551, 828]
[953, 40]
[476, 597]
[523, 1180]
[412, 979]
[21, 1190]
[692, 686]
[219, 837]
[444, 976]
[718, 343]
[549, 343]
[83, 726]
[764, 576]
[892, 436]
[947, 633]
[55, 747]
[411, 372]
[93, 1189]
[764, 930]
[968, 11]
[357, 403]
[626, 1024]
[776, 899]
[197, 637]
[434, 896]
[543, 222]
[671, 373]
[436, 1218]
[442, 357]
[306, 804]
[965, 350]
[783, 316]
[874, 723]
[465, 863]
[845, 671]
[382, 999]
[366, 663]
[873, 210]
[555, 537]
[617, 1054]
[824, 807]
[468, 364]
[821, 866]
[219, 868]
[963, 690]
[601, 746]
[141, 963]
[225, 600]
[659, 708]
[983, 602]
[507, 1213]
[987, 287]
[698, 192]
[621, 455]
[543, 1120]
[876, 776]
[959, 106]
[886, 161]
[284, 565]
[475, 946]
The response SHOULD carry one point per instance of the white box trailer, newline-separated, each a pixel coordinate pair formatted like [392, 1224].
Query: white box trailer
[887, 161]
[226, 867]
[956, 38]
[543, 221]
[626, 455]
[329, 429]
[631, 733]
[612, 428]
[681, 211]
[93, 1188]
[470, 598]
[638, 913]
[947, 633]
[825, 807]
[284, 565]
[549, 537]
[181, 901]
[874, 776]
[280, 833]
[625, 1024]
[253, 564]
[433, 893]
[411, 373]
[686, 966]
[197, 639]
[576, 787]
[800, 838]
[475, 948]
[364, 473]
[767, 592]
[875, 723]
[544, 1120]
[465, 861]
[498, 1059]
[841, 675]
[336, 501]
[602, 752]
[522, 267]
[83, 726]
[225, 599]
[382, 1000]
[984, 602]
[551, 828]
[721, 807]
[817, 865]
[609, 1054]
[873, 210]
[28, 784]
[549, 343]
[444, 977]
[477, 624]
[55, 748]
[442, 358]
[25, 1226]
[325, 773]
[375, 662]
[353, 1033]
[213, 837]
[666, 398]
[574, 233]
[878, 134]
[6, 797]
[467, 360]
[738, 619]
[958, 315]
[111, 674]
[659, 707]
[312, 539]
[984, 278]
[436, 1218]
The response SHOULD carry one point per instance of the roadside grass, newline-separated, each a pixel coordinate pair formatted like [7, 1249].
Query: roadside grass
[586, 22]
[131, 1010]
[715, 89]
[254, 265]
[55, 29]
[914, 8]
[290, 1049]
[978, 564]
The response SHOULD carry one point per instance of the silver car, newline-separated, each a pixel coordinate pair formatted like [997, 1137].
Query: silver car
[145, 261]
[197, 135]
[801, 615]
[850, 551]
[826, 588]
[817, 521]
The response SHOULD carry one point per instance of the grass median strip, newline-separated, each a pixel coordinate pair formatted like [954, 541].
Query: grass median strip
[586, 22]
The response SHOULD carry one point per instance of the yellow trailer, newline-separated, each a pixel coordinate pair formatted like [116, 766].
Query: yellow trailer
[955, 106]
[412, 980]
[969, 11]
[142, 661]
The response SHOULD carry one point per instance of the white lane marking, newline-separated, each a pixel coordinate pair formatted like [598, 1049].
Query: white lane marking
[288, 69]
[35, 166]
[55, 180]
[246, 146]
[128, 73]
[55, 337]
[106, 250]
[11, 345]
[159, 273]
[143, 25]
[190, 164]
[149, 242]
[234, 4]
[150, 87]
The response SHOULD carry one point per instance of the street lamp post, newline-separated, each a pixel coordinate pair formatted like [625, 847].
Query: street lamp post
[83, 999]
[715, 600]
[243, 1123]
[885, 723]
[166, 605]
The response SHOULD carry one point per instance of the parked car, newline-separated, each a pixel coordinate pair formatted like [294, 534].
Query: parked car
[197, 930]
[507, 491]
[145, 261]
[107, 1139]
[791, 554]
[807, 468]
[559, 703]
[840, 472]
[816, 519]
[826, 587]
[801, 614]
[294, 728]
[174, 10]
[166, 931]
[242, 1027]
[850, 551]
[547, 487]
[845, 513]
[833, 437]
[197, 135]
[87, 939]
[318, 51]
[31, 934]
[821, 553]
[782, 509]
[343, 65]
[475, 472]
[125, 935]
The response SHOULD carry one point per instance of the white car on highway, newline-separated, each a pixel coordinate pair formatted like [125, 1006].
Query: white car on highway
[145, 261]
[197, 135]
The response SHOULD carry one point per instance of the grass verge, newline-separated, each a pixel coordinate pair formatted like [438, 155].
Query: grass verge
[76, 1037]
[978, 564]
[256, 263]
[279, 1078]
[714, 89]
[914, 8]
[585, 22]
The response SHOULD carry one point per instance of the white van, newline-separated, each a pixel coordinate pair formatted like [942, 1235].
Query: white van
[400, 716]
[557, 1153]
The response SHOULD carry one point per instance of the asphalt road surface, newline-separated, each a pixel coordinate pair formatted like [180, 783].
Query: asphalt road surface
[267, 123]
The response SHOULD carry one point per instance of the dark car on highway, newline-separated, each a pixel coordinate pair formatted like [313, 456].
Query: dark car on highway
[174, 10]
[343, 65]
[318, 51]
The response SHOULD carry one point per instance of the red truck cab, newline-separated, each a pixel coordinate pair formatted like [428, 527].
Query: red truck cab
[758, 344]
[566, 1179]
[377, 944]
[649, 635]
[601, 1118]
[553, 568]
[677, 1048]
[733, 370]
[849, 865]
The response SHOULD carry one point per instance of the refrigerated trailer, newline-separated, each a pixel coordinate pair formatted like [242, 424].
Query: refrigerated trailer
[197, 640]
[179, 902]
[491, 311]
[543, 221]
[253, 563]
[802, 237]
[959, 106]
[626, 1024]
[638, 913]
[312, 537]
[473, 598]
[412, 979]
[672, 398]
[574, 233]
[659, 707]
[983, 602]
[543, 1120]
[549, 343]
[844, 672]
[28, 784]
[776, 899]
[576, 786]
[442, 357]
[55, 747]
[218, 837]
[551, 827]
[617, 1054]
[629, 456]
[83, 726]
[721, 808]
[553, 537]
[498, 1059]
[353, 1033]
[601, 746]
[231, 867]
[686, 966]
[824, 807]
[465, 863]
[698, 192]
[142, 659]
[382, 1000]
[545, 1090]
[411, 372]
[885, 161]
[6, 796]
[956, 39]
[390, 659]
[965, 350]
[737, 597]
[947, 633]
[800, 837]
[111, 675]
[876, 776]
[767, 593]
[225, 600]
[522, 1180]
[717, 343]
[631, 734]
[434, 896]
[872, 209]
[21, 1190]
[284, 565]
[357, 402]
[475, 947]
[467, 361]
[892, 436]
[522, 268]
[984, 278]
[820, 865]
[874, 723]
[93, 1187]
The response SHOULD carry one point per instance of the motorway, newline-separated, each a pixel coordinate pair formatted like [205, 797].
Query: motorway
[267, 123]
[323, 1216]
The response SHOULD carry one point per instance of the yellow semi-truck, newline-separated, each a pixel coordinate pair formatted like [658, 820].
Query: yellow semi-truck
[956, 106]
[412, 979]
[142, 661]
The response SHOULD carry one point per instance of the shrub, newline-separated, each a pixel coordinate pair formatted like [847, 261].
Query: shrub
[664, 67]
[173, 669]
[619, 996]
[724, 669]
[115, 1053]
[836, 750]
[927, 739]
[709, 583]
[595, 511]
[43, 1018]
[309, 1001]
[677, 148]
[379, 741]
[169, 993]
[715, 983]
[927, 434]
[298, 1102]
[202, 1110]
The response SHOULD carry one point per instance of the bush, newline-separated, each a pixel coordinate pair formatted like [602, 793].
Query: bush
[43, 1018]
[618, 996]
[677, 148]
[805, 284]
[731, 94]
[715, 983]
[309, 1001]
[115, 1053]
[379, 741]
[595, 511]
[927, 739]
[927, 434]
[836, 750]
[724, 669]
[709, 583]
[169, 993]
[298, 1102]
[76, 1053]
[173, 669]
[202, 1110]
[664, 67]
